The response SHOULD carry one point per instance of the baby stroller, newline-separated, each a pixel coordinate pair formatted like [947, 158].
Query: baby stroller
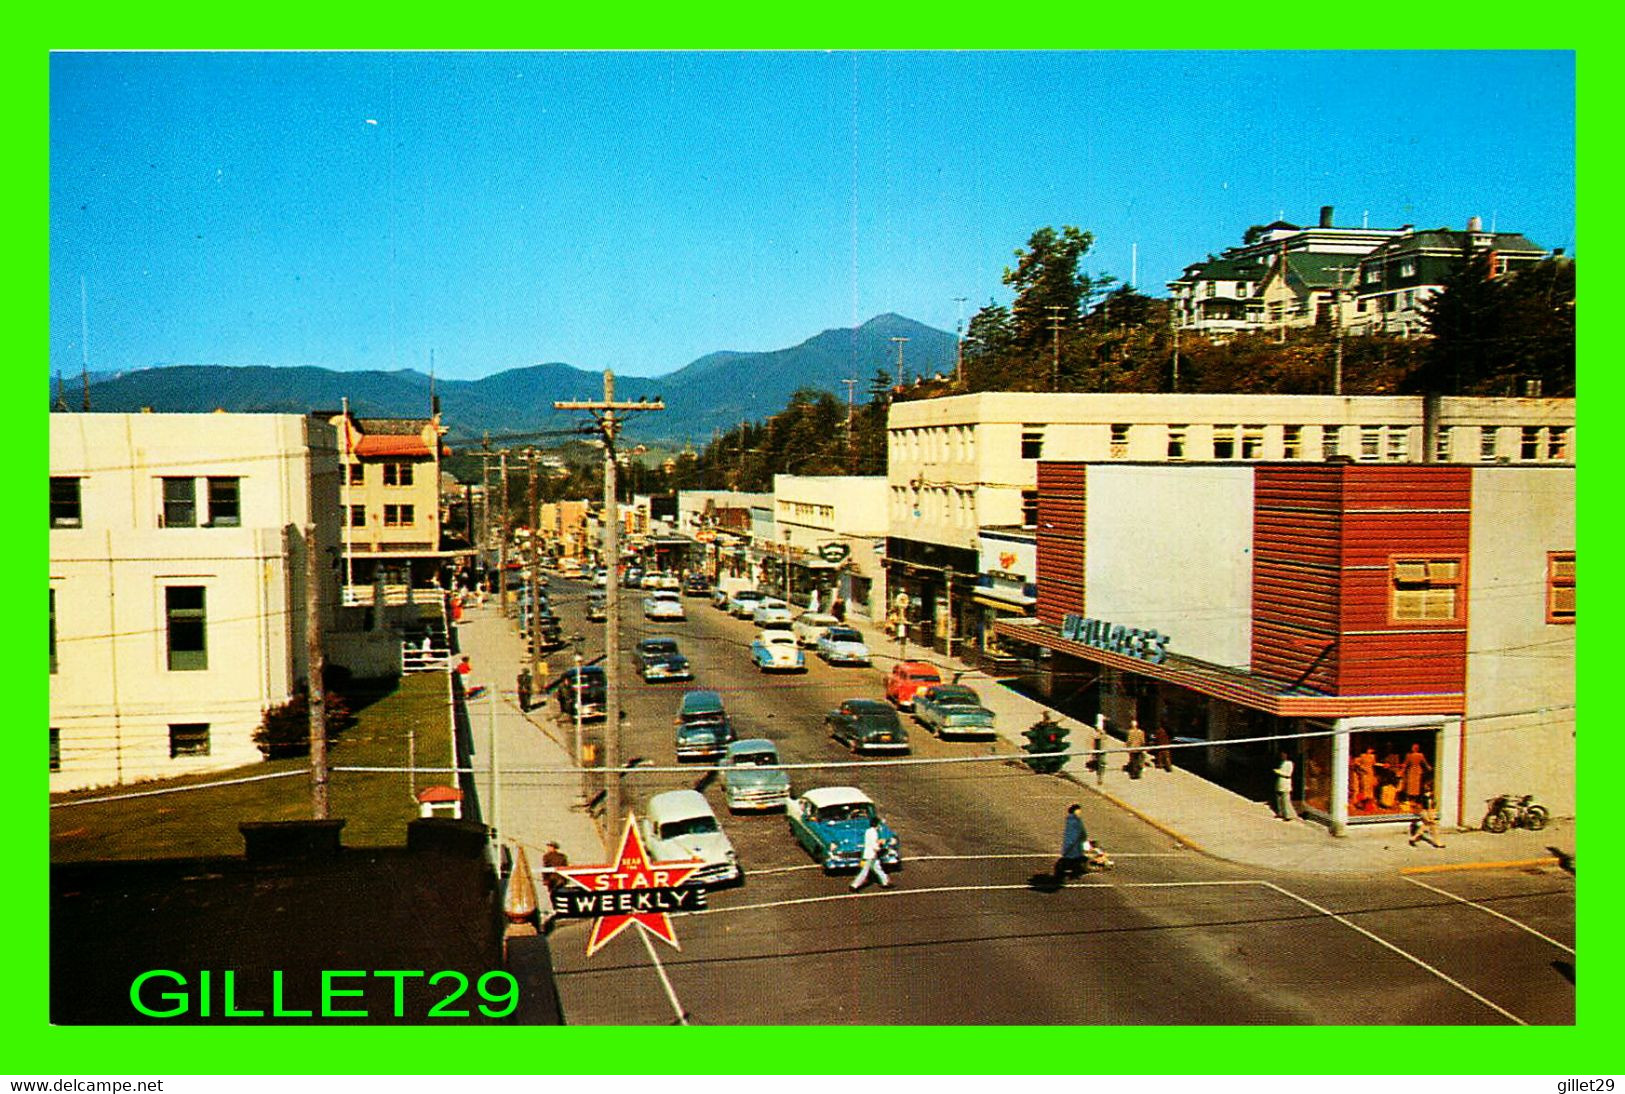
[1095, 857]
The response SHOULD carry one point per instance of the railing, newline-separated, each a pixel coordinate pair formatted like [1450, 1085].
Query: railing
[356, 596]
[415, 657]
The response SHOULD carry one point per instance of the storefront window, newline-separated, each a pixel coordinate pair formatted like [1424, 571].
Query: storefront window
[1315, 768]
[1389, 772]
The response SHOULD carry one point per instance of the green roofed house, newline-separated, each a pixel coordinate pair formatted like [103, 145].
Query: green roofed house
[1302, 289]
[1396, 278]
[1219, 295]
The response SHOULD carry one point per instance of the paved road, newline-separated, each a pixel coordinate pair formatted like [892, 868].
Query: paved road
[964, 936]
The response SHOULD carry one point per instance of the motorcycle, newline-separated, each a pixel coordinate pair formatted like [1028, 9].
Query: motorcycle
[1512, 811]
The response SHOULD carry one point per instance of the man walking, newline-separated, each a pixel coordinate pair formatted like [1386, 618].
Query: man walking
[871, 857]
[1283, 789]
[1074, 840]
[524, 688]
[1136, 743]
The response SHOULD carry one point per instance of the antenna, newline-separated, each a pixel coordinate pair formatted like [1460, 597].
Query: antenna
[84, 342]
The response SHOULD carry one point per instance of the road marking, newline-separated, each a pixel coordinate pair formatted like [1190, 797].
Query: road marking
[682, 1016]
[1383, 942]
[895, 891]
[771, 870]
[1492, 911]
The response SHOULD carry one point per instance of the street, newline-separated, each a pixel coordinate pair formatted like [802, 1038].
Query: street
[967, 935]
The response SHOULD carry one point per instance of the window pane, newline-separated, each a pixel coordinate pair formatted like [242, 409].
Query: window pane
[1410, 572]
[225, 510]
[65, 503]
[188, 638]
[189, 739]
[180, 503]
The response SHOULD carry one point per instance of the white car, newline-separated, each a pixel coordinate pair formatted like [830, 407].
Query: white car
[770, 613]
[662, 581]
[678, 826]
[663, 605]
[809, 627]
[743, 602]
[843, 646]
[776, 651]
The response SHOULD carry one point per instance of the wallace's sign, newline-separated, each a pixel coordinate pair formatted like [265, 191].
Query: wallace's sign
[1151, 646]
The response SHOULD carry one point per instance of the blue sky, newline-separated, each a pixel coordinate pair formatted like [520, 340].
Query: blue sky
[638, 210]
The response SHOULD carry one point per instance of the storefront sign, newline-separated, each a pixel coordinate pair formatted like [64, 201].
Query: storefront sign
[631, 890]
[833, 552]
[1150, 646]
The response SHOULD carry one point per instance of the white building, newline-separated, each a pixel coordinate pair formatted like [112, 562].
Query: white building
[833, 528]
[177, 585]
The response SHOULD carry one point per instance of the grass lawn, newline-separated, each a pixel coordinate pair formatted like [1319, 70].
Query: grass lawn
[188, 823]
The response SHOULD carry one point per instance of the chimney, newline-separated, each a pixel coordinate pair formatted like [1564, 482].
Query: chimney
[1325, 216]
[1474, 224]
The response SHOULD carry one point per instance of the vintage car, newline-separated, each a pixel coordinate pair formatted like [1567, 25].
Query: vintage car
[632, 577]
[952, 710]
[908, 677]
[843, 646]
[743, 602]
[597, 608]
[830, 821]
[776, 651]
[809, 627]
[592, 689]
[696, 585]
[867, 725]
[771, 613]
[600, 577]
[660, 659]
[703, 728]
[750, 777]
[662, 580]
[664, 604]
[678, 826]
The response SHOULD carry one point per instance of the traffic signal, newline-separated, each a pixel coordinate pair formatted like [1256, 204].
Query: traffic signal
[1046, 737]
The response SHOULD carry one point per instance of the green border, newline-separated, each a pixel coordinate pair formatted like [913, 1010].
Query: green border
[35, 1047]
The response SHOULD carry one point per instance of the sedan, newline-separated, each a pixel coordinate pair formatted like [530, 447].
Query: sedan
[771, 612]
[751, 777]
[867, 725]
[743, 602]
[696, 585]
[597, 608]
[663, 605]
[843, 646]
[810, 627]
[830, 822]
[952, 710]
[659, 659]
[776, 651]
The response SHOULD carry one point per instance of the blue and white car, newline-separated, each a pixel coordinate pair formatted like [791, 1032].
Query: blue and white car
[843, 646]
[829, 822]
[776, 651]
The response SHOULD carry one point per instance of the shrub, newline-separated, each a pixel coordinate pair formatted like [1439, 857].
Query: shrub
[284, 729]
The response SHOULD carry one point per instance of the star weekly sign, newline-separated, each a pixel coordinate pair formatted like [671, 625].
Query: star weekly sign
[629, 890]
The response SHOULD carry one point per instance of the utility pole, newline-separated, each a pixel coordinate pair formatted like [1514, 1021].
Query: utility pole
[899, 342]
[317, 698]
[959, 341]
[609, 428]
[502, 540]
[1057, 317]
[948, 584]
[483, 541]
[84, 346]
[1173, 326]
[535, 578]
[851, 468]
[1337, 322]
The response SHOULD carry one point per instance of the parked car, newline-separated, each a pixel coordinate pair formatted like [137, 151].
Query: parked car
[722, 599]
[597, 608]
[771, 612]
[663, 604]
[633, 577]
[662, 580]
[867, 725]
[776, 651]
[743, 602]
[843, 646]
[809, 627]
[593, 689]
[908, 677]
[829, 822]
[601, 577]
[679, 825]
[703, 726]
[696, 585]
[952, 710]
[660, 659]
[750, 779]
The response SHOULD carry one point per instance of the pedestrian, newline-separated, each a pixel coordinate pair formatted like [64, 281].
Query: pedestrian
[1414, 772]
[524, 688]
[1283, 789]
[837, 609]
[1425, 825]
[1074, 844]
[551, 861]
[1165, 756]
[1136, 744]
[464, 667]
[871, 857]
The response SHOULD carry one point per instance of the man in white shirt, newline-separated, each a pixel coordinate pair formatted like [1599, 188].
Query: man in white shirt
[1283, 789]
[871, 858]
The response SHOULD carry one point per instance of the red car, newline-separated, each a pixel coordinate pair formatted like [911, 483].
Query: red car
[908, 677]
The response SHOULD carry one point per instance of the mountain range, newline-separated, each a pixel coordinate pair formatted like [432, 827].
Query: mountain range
[717, 391]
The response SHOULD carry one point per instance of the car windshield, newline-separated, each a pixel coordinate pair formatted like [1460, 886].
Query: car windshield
[931, 676]
[688, 826]
[659, 645]
[876, 719]
[758, 759]
[843, 634]
[955, 696]
[847, 811]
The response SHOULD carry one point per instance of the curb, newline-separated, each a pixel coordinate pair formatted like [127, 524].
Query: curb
[1506, 864]
[1153, 822]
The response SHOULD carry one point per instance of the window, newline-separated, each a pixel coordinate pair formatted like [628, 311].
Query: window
[1176, 442]
[1441, 444]
[1373, 274]
[1212, 288]
[1370, 442]
[1407, 268]
[180, 503]
[1032, 442]
[1292, 442]
[1119, 442]
[397, 516]
[188, 628]
[1557, 443]
[397, 474]
[1530, 446]
[1426, 590]
[1330, 442]
[1252, 442]
[358, 474]
[1486, 443]
[53, 630]
[1224, 442]
[1029, 508]
[56, 749]
[358, 516]
[65, 512]
[1399, 444]
[225, 503]
[1560, 587]
[188, 739]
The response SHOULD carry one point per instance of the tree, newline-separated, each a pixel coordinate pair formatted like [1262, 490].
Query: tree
[1048, 283]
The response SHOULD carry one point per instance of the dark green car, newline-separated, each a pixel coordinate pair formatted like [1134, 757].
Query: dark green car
[867, 725]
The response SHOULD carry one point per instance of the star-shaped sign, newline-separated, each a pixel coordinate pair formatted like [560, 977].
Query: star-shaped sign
[632, 872]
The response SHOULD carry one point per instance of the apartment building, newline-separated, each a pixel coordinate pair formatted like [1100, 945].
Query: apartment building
[391, 499]
[833, 530]
[177, 585]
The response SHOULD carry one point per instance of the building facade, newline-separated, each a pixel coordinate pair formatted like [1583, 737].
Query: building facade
[177, 585]
[392, 502]
[833, 528]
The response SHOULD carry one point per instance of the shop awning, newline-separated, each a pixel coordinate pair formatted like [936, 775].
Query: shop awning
[1235, 685]
[1005, 600]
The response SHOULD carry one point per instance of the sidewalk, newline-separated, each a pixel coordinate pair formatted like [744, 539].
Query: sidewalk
[528, 809]
[1206, 817]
